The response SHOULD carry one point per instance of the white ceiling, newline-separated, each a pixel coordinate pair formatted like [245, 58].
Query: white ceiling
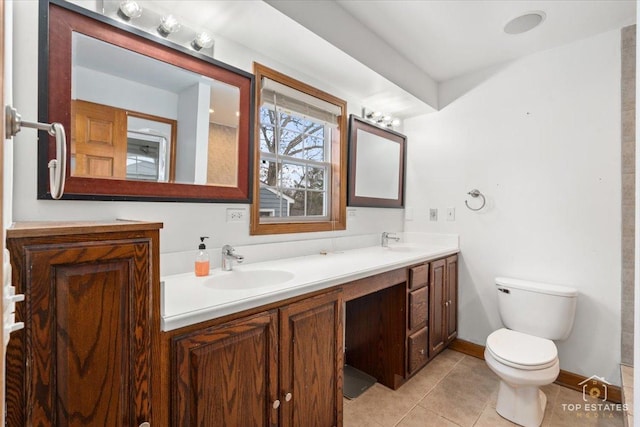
[395, 53]
[447, 39]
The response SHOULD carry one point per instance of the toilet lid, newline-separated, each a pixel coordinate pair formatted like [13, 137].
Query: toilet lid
[522, 350]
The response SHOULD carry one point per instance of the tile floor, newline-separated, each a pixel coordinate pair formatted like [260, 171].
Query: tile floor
[459, 390]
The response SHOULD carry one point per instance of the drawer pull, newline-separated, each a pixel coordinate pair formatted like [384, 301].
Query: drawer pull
[288, 397]
[145, 424]
[422, 352]
[276, 404]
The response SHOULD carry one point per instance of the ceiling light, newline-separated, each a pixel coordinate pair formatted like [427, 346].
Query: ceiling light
[211, 111]
[525, 22]
[169, 24]
[129, 9]
[202, 40]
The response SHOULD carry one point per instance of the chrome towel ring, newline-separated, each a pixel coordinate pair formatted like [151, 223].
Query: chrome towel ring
[57, 166]
[475, 193]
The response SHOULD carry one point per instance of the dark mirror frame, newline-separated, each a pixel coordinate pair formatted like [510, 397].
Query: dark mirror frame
[58, 19]
[357, 123]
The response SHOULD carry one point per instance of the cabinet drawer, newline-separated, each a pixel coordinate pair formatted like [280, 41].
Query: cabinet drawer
[418, 350]
[418, 276]
[418, 308]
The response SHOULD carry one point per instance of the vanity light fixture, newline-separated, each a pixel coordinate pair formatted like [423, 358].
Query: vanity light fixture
[202, 40]
[168, 25]
[380, 118]
[160, 24]
[129, 9]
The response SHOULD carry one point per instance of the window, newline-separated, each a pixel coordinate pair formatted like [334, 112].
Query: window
[300, 175]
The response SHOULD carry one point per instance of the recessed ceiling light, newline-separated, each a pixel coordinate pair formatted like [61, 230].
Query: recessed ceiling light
[524, 23]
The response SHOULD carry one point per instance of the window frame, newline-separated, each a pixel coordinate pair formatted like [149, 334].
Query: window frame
[337, 187]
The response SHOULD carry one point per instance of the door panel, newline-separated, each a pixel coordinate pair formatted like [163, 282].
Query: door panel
[436, 307]
[311, 346]
[227, 375]
[98, 140]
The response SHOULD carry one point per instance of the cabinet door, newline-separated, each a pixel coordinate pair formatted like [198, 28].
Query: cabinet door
[437, 295]
[452, 298]
[227, 375]
[88, 344]
[311, 351]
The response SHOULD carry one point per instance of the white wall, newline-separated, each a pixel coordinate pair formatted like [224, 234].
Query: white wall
[183, 222]
[122, 93]
[541, 139]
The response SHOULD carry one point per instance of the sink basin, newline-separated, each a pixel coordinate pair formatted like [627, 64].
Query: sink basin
[239, 279]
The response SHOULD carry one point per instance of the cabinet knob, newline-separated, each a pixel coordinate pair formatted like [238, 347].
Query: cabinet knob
[276, 404]
[145, 424]
[422, 352]
[288, 397]
[446, 304]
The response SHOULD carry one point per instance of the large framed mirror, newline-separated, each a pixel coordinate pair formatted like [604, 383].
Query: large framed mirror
[376, 165]
[146, 119]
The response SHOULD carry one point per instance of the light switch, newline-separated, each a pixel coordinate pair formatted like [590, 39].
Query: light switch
[433, 214]
[451, 214]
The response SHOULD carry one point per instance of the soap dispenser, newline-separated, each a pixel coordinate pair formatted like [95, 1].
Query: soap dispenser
[202, 259]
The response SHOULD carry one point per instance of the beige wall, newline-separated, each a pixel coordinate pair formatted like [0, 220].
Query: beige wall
[628, 188]
[222, 163]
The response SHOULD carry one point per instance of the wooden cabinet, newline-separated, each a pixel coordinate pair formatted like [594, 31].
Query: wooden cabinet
[228, 375]
[443, 292]
[417, 319]
[91, 318]
[280, 367]
[451, 305]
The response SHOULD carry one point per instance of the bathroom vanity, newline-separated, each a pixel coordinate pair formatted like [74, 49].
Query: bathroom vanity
[99, 344]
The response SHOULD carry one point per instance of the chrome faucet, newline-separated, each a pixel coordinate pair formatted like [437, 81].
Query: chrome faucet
[228, 255]
[386, 236]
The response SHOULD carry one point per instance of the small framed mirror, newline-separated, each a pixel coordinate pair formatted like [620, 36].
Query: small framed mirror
[376, 165]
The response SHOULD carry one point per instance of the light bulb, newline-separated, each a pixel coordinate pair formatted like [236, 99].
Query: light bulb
[202, 41]
[129, 9]
[169, 24]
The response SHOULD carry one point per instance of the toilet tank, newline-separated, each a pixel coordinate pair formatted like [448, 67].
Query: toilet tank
[539, 309]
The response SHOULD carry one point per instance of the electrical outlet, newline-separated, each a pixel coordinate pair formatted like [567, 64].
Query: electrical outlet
[352, 213]
[236, 215]
[433, 214]
[451, 214]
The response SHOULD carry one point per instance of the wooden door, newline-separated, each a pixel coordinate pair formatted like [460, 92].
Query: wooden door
[98, 140]
[311, 360]
[227, 375]
[88, 341]
[452, 298]
[437, 295]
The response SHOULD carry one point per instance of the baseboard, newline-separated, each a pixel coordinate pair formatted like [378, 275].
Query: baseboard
[566, 379]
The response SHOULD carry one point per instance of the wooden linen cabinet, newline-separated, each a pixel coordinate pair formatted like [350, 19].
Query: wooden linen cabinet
[91, 315]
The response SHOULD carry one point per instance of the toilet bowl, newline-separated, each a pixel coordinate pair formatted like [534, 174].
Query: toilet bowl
[523, 354]
[522, 368]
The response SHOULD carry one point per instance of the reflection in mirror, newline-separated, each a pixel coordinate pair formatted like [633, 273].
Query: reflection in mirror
[139, 118]
[377, 176]
[376, 165]
[149, 150]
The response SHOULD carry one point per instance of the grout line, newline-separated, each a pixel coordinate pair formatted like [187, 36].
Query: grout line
[429, 391]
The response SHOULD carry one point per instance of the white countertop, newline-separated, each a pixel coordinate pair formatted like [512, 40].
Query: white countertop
[188, 299]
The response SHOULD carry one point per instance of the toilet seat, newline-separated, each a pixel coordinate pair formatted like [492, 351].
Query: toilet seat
[522, 351]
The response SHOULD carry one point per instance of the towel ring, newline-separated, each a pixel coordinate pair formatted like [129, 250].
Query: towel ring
[57, 166]
[475, 193]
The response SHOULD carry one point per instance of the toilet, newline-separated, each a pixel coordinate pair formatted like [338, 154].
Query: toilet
[523, 354]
